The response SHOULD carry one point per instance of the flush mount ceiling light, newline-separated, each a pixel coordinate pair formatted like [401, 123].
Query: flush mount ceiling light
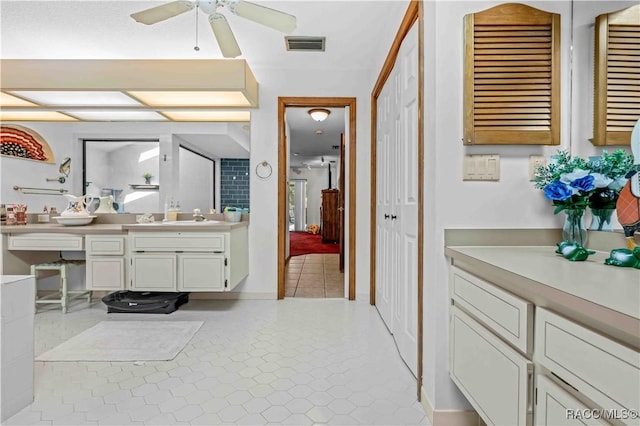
[319, 114]
[39, 90]
[319, 132]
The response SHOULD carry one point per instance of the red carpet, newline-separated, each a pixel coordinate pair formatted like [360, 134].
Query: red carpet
[304, 243]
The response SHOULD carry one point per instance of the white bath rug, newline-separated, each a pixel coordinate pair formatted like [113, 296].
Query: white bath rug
[126, 341]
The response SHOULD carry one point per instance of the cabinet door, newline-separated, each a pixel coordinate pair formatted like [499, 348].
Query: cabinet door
[494, 377]
[557, 407]
[201, 272]
[153, 272]
[105, 273]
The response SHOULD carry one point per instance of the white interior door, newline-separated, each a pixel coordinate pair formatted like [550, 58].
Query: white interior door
[397, 201]
[384, 302]
[405, 320]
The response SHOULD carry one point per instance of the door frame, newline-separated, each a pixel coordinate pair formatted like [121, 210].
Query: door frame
[413, 15]
[283, 165]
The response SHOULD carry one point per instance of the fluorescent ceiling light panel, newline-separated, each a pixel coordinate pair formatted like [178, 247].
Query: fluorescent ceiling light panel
[192, 99]
[22, 115]
[208, 115]
[78, 98]
[116, 115]
[7, 100]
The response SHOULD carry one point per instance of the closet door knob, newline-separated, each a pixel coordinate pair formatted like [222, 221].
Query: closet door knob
[394, 217]
[386, 216]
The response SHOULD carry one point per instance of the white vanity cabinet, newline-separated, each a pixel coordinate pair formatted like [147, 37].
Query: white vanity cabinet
[105, 262]
[490, 349]
[188, 261]
[596, 368]
[583, 375]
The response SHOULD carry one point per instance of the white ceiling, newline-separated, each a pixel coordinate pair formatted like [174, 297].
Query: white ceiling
[103, 29]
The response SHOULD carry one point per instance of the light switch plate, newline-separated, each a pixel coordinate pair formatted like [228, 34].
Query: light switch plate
[535, 161]
[481, 167]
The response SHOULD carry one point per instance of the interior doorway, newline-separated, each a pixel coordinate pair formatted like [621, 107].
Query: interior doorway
[348, 211]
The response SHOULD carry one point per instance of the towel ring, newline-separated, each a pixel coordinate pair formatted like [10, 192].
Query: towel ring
[266, 173]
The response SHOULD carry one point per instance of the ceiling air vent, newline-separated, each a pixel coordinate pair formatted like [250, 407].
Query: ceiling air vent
[305, 44]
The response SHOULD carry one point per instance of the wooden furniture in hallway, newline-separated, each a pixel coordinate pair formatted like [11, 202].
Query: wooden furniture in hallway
[330, 216]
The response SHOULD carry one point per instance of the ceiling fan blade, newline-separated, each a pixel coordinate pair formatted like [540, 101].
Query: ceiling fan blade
[224, 36]
[263, 15]
[162, 12]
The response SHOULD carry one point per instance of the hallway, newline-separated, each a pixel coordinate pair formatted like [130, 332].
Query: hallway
[253, 362]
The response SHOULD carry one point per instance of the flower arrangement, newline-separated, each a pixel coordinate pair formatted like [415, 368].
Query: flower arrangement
[609, 173]
[147, 177]
[573, 184]
[567, 181]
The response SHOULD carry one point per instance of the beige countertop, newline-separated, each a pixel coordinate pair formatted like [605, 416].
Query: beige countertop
[603, 297]
[114, 228]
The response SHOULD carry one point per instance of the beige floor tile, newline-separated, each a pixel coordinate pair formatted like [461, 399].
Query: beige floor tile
[313, 258]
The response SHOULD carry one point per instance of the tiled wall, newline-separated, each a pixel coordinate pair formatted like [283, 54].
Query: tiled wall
[234, 182]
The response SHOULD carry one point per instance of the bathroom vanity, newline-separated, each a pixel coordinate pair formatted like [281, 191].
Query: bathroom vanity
[535, 337]
[209, 256]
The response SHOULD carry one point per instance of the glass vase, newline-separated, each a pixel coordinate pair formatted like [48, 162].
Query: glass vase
[601, 219]
[574, 229]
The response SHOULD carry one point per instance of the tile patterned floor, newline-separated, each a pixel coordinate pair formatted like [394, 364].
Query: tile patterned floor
[314, 275]
[253, 362]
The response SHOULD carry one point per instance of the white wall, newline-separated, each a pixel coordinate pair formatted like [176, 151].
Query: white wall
[511, 202]
[317, 180]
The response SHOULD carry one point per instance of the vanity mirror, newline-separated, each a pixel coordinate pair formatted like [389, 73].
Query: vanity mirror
[589, 111]
[616, 76]
[191, 171]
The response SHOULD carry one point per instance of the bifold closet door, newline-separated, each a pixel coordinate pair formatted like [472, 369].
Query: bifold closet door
[397, 201]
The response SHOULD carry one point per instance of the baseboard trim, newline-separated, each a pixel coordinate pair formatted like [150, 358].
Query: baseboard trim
[449, 417]
[233, 296]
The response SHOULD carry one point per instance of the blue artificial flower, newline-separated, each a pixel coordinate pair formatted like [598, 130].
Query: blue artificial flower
[584, 184]
[557, 191]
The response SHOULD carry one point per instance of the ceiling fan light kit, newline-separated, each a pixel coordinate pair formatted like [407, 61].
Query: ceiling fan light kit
[266, 16]
[319, 114]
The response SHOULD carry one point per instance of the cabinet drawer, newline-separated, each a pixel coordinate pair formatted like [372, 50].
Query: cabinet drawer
[100, 245]
[177, 241]
[43, 241]
[557, 407]
[494, 377]
[507, 315]
[603, 370]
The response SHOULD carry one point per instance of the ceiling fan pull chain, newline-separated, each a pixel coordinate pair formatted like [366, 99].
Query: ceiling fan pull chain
[196, 48]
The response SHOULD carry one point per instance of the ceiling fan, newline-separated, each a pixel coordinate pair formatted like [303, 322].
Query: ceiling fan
[271, 18]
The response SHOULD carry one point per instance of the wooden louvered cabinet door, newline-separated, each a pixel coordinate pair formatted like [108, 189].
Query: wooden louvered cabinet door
[512, 76]
[617, 76]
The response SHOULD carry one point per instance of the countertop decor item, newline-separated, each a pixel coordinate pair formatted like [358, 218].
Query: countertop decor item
[74, 220]
[568, 183]
[624, 257]
[628, 204]
[77, 206]
[609, 171]
[573, 251]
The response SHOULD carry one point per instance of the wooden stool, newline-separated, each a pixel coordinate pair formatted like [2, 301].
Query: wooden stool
[63, 296]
